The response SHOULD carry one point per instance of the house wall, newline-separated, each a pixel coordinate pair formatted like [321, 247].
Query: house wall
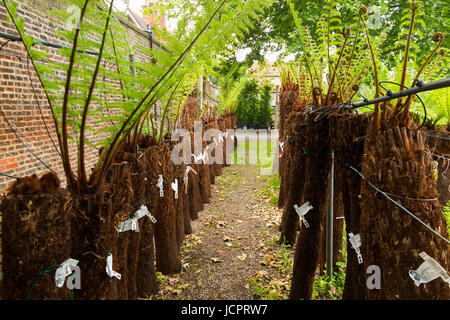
[19, 105]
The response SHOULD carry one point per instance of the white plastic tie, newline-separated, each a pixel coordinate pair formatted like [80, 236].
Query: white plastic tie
[302, 211]
[186, 177]
[160, 185]
[109, 268]
[143, 212]
[175, 188]
[355, 241]
[428, 271]
[130, 224]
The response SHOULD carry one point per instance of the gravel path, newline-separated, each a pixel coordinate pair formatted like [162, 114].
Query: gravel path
[233, 240]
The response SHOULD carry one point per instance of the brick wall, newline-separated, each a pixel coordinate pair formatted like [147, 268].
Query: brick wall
[18, 102]
[20, 106]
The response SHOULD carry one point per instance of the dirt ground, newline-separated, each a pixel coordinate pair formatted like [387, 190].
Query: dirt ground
[233, 253]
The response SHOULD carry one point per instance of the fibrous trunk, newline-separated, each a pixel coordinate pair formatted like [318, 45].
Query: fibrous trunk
[295, 143]
[344, 129]
[316, 192]
[398, 163]
[35, 237]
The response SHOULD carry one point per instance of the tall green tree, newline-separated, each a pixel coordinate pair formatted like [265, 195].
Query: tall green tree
[277, 30]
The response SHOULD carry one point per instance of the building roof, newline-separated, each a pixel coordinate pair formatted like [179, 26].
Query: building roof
[137, 19]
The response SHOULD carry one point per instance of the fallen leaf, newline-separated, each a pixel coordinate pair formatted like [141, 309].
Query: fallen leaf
[242, 257]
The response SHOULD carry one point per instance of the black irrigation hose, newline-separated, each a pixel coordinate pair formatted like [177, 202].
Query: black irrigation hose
[385, 124]
[4, 44]
[389, 92]
[420, 87]
[9, 176]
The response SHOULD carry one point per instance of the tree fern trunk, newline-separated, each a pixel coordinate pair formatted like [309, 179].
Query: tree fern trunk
[316, 192]
[397, 162]
[343, 131]
[295, 145]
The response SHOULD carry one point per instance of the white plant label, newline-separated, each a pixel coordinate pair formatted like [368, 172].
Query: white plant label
[131, 224]
[142, 212]
[64, 271]
[160, 185]
[175, 188]
[109, 268]
[302, 211]
[355, 241]
[428, 271]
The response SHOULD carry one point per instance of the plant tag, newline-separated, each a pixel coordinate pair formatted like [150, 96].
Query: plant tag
[142, 212]
[64, 271]
[186, 177]
[175, 188]
[131, 224]
[215, 142]
[355, 241]
[302, 211]
[134, 225]
[109, 268]
[160, 185]
[428, 271]
[282, 148]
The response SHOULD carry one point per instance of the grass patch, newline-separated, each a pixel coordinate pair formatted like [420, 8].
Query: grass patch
[271, 188]
[276, 284]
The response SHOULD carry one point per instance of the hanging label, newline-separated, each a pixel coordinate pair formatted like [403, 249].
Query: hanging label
[302, 211]
[186, 177]
[160, 185]
[142, 212]
[355, 241]
[282, 148]
[131, 224]
[64, 271]
[175, 188]
[109, 268]
[428, 271]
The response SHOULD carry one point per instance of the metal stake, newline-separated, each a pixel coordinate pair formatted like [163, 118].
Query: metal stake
[330, 220]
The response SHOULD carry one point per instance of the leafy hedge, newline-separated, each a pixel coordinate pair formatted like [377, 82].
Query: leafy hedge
[254, 109]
